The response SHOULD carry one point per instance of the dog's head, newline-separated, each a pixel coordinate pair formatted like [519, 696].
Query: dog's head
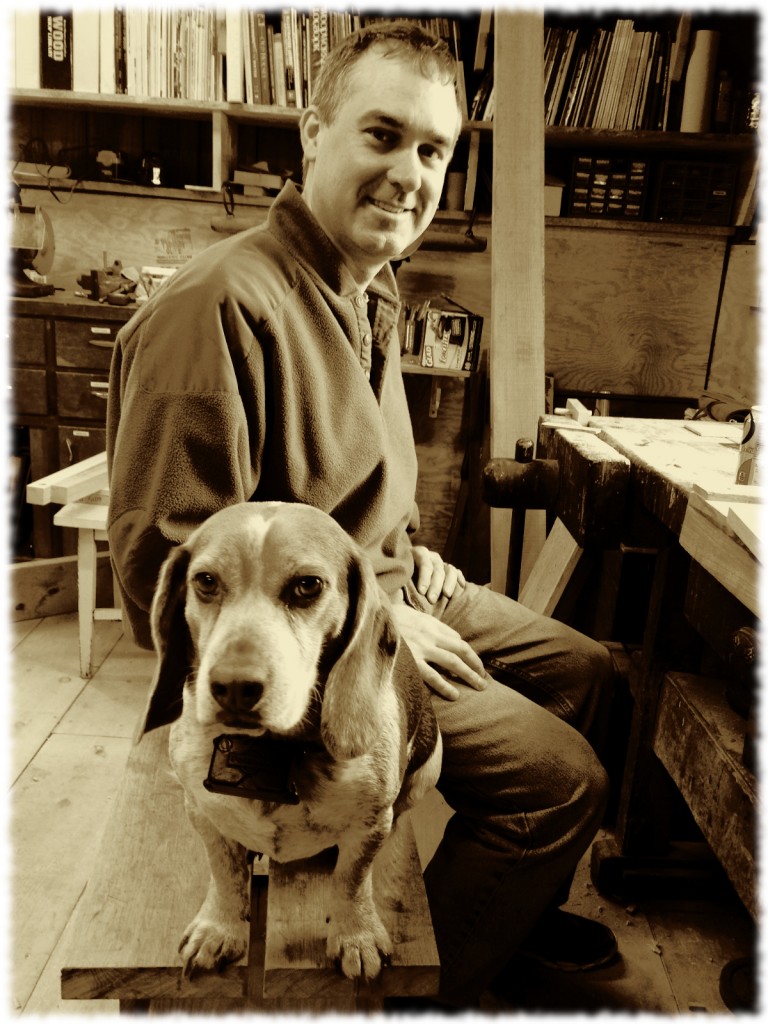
[274, 610]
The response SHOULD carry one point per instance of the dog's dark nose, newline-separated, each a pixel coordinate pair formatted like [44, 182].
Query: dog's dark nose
[237, 695]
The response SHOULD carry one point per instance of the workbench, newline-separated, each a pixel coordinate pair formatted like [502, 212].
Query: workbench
[692, 673]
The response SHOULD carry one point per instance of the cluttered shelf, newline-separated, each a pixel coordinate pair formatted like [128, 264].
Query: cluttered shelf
[617, 90]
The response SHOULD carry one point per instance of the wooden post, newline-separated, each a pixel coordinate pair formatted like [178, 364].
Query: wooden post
[517, 346]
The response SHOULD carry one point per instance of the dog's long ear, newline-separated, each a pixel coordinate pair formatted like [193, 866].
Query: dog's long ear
[351, 711]
[173, 644]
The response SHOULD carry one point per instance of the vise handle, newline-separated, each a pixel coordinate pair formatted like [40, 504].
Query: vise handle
[507, 483]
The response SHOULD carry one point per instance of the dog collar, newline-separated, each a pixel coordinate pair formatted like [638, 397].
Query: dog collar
[256, 767]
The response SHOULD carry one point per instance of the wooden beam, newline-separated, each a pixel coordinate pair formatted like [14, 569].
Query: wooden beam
[517, 281]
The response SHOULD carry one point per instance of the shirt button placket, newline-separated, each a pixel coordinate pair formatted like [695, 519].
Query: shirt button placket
[361, 301]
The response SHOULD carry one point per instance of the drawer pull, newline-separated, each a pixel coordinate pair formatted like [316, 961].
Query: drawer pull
[100, 388]
[99, 343]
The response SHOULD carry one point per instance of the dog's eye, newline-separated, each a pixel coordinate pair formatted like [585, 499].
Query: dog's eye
[305, 589]
[206, 584]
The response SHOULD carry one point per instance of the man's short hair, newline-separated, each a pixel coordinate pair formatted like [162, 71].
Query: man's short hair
[403, 39]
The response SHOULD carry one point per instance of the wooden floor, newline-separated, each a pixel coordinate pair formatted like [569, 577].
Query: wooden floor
[70, 741]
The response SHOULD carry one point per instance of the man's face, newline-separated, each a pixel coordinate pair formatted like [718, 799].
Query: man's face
[376, 171]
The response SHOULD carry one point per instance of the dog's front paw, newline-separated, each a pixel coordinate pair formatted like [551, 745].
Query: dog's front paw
[208, 944]
[359, 950]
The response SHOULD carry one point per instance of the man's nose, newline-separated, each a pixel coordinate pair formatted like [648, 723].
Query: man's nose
[405, 171]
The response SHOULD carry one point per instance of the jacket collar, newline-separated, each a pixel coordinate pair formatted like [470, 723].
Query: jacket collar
[291, 220]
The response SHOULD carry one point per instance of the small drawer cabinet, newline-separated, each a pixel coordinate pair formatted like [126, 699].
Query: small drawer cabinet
[60, 352]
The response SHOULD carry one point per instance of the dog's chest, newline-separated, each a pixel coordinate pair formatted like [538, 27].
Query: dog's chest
[334, 800]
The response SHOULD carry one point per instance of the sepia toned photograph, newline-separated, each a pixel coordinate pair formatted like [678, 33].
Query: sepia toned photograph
[384, 509]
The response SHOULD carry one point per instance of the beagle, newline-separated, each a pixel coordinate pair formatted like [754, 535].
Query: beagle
[288, 686]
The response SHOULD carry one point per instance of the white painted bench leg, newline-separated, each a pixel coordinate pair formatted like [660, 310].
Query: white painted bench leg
[86, 595]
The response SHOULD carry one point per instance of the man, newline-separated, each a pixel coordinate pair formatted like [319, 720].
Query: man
[268, 369]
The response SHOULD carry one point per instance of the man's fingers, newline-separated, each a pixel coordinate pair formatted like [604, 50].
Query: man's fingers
[438, 684]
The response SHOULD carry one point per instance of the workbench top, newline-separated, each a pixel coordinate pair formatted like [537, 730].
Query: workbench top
[669, 457]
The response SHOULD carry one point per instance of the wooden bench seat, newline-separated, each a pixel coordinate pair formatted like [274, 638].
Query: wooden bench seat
[150, 878]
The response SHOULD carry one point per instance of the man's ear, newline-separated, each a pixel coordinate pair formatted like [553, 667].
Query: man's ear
[309, 127]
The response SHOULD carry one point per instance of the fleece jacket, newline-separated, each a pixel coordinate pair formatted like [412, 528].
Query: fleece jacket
[259, 372]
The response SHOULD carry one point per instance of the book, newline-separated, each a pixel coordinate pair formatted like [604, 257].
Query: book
[318, 47]
[628, 82]
[86, 49]
[107, 31]
[120, 67]
[27, 48]
[472, 358]
[563, 49]
[235, 76]
[484, 30]
[592, 85]
[289, 59]
[614, 81]
[56, 49]
[278, 62]
[248, 58]
[262, 53]
[576, 83]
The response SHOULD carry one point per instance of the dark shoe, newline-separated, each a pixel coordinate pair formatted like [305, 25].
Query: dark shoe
[567, 942]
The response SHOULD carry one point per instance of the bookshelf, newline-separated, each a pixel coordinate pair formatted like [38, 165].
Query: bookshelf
[200, 142]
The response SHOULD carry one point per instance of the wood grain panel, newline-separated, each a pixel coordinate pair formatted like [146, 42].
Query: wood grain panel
[128, 228]
[736, 357]
[630, 312]
[440, 450]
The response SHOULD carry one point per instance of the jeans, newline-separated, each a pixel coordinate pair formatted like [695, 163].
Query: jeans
[521, 774]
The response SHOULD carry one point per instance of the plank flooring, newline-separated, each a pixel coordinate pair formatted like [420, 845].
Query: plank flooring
[70, 739]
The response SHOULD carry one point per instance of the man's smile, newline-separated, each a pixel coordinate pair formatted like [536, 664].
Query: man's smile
[392, 208]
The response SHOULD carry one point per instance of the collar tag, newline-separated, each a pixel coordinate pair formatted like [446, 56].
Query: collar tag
[254, 767]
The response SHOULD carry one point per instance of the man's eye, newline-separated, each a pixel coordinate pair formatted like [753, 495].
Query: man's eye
[431, 155]
[305, 589]
[381, 135]
[206, 584]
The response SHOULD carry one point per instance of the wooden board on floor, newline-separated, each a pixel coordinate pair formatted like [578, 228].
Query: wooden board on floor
[20, 630]
[46, 681]
[116, 696]
[59, 807]
[696, 941]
